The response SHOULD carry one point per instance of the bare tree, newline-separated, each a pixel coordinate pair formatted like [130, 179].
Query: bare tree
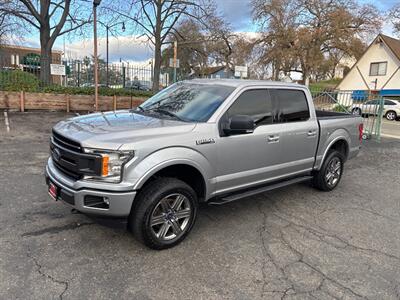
[394, 16]
[52, 19]
[157, 19]
[201, 45]
[300, 34]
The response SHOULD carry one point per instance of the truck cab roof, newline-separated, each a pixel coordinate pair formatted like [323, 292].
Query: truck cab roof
[244, 82]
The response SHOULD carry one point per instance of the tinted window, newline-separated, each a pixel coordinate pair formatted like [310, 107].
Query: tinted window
[292, 105]
[188, 101]
[388, 102]
[254, 103]
[372, 102]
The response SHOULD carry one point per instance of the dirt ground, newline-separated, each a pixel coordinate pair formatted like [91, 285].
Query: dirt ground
[293, 243]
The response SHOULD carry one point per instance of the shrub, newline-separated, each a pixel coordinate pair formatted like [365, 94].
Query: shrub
[17, 80]
[103, 91]
[341, 108]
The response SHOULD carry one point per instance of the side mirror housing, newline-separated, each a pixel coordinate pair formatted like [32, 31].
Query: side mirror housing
[239, 124]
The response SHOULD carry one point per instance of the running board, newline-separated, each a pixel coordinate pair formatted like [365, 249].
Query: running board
[254, 191]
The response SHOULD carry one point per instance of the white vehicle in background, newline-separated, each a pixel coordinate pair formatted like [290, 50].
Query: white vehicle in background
[391, 108]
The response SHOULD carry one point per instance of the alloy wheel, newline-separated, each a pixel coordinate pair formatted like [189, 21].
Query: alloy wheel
[391, 115]
[170, 217]
[333, 172]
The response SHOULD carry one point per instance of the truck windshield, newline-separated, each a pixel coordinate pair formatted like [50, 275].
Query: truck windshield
[188, 101]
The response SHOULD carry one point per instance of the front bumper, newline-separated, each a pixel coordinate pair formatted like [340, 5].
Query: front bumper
[120, 202]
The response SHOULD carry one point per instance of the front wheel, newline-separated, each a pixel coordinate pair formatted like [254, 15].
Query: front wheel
[164, 213]
[356, 111]
[391, 115]
[328, 177]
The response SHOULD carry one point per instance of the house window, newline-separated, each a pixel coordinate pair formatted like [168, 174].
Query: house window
[378, 69]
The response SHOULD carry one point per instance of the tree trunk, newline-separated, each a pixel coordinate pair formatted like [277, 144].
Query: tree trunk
[45, 56]
[157, 65]
[157, 47]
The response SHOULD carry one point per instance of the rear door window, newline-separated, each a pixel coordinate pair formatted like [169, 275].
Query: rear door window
[292, 105]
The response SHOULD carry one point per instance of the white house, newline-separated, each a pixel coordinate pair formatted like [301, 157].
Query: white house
[377, 71]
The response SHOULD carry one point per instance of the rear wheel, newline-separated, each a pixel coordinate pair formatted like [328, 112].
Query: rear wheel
[164, 213]
[328, 177]
[391, 115]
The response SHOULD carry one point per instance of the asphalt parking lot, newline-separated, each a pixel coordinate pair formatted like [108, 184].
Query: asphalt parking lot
[293, 243]
[391, 129]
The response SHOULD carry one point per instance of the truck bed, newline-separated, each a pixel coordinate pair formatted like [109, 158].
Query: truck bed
[324, 114]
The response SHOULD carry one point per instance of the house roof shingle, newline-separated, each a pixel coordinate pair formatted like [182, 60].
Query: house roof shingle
[392, 43]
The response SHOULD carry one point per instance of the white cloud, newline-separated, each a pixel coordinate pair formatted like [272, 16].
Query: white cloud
[128, 48]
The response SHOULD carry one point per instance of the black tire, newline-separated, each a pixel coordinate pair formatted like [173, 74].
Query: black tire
[320, 180]
[155, 196]
[391, 115]
[356, 111]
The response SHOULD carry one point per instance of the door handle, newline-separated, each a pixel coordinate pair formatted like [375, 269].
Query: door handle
[273, 138]
[312, 133]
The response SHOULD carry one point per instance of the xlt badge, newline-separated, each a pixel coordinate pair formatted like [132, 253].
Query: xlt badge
[205, 141]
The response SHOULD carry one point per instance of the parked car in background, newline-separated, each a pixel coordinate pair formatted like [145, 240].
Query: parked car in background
[391, 108]
[88, 84]
[199, 141]
[137, 85]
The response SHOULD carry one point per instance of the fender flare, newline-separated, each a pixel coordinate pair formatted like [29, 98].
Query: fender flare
[163, 158]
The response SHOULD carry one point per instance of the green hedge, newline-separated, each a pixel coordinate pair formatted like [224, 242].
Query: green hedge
[103, 91]
[17, 80]
[341, 108]
[324, 85]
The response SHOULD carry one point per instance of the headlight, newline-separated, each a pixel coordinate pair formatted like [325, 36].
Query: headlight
[112, 164]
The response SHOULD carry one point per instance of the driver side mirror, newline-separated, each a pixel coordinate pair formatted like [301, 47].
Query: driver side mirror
[239, 124]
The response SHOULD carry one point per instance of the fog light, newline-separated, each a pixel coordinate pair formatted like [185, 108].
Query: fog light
[96, 202]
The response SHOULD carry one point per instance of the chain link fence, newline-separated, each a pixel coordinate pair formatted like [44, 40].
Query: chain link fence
[370, 106]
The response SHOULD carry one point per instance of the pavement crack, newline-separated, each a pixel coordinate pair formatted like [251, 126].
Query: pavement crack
[322, 232]
[269, 256]
[39, 269]
[56, 229]
[264, 248]
[370, 211]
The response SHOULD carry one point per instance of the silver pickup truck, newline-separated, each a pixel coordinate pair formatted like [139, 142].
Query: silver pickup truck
[196, 141]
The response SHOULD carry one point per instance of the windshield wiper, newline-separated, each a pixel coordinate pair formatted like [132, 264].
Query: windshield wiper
[155, 103]
[166, 112]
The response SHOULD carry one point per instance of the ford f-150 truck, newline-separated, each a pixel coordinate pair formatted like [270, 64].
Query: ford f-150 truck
[212, 141]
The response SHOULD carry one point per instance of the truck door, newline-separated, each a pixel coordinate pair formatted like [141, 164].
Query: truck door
[299, 135]
[252, 158]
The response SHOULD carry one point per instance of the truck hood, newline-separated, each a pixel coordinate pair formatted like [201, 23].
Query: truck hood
[111, 130]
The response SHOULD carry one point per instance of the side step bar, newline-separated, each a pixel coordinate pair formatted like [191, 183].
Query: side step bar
[254, 191]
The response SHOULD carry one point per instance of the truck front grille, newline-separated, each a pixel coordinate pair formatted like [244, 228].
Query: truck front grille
[69, 158]
[65, 142]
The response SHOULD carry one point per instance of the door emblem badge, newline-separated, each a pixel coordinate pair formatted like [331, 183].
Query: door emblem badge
[205, 141]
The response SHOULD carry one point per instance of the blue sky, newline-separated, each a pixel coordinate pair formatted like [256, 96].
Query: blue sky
[236, 12]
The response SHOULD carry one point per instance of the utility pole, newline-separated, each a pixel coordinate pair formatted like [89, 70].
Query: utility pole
[175, 57]
[96, 74]
[107, 42]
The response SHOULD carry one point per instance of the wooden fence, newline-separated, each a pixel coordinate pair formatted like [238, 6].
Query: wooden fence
[62, 102]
